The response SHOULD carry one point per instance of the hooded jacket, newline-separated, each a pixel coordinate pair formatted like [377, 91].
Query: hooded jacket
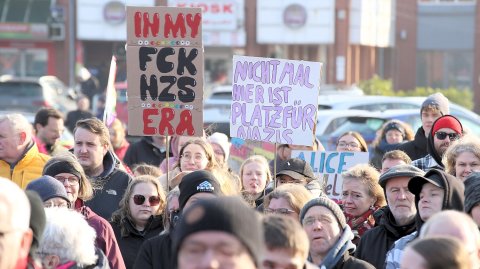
[375, 243]
[417, 148]
[131, 242]
[453, 199]
[106, 240]
[143, 151]
[339, 255]
[156, 253]
[28, 168]
[109, 188]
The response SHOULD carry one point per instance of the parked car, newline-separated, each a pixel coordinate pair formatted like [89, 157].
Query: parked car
[29, 94]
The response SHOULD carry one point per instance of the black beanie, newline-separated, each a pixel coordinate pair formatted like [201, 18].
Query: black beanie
[195, 182]
[37, 219]
[224, 214]
[472, 191]
[48, 187]
[61, 167]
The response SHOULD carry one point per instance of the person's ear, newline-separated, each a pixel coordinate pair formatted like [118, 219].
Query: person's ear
[51, 262]
[25, 243]
[22, 137]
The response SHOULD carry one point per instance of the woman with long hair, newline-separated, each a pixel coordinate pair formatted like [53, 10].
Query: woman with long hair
[139, 216]
[255, 176]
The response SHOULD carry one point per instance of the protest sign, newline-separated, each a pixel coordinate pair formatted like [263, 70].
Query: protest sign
[328, 166]
[240, 150]
[274, 100]
[164, 71]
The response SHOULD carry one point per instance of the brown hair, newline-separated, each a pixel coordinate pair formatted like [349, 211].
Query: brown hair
[123, 212]
[296, 196]
[368, 176]
[85, 190]
[97, 127]
[396, 155]
[359, 137]
[282, 232]
[442, 252]
[146, 169]
[44, 114]
[468, 143]
[210, 154]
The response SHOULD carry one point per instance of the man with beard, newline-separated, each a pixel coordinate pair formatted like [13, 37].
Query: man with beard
[445, 130]
[92, 148]
[49, 128]
[398, 218]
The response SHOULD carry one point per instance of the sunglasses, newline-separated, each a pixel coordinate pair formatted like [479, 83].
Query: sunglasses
[443, 135]
[139, 199]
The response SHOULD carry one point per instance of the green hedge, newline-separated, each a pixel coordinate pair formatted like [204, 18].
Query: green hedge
[379, 86]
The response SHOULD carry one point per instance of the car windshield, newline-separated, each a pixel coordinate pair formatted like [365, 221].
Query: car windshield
[221, 95]
[20, 89]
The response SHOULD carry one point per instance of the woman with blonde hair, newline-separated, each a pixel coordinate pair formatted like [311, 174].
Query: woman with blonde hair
[287, 199]
[351, 141]
[66, 169]
[463, 157]
[255, 176]
[196, 155]
[362, 196]
[139, 216]
[392, 134]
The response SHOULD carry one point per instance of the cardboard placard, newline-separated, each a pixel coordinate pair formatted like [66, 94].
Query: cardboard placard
[164, 71]
[274, 100]
[329, 165]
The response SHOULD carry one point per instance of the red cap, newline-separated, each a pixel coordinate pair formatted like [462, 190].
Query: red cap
[447, 121]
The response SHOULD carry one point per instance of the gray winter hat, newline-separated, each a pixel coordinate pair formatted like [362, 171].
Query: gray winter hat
[439, 101]
[48, 187]
[401, 170]
[327, 203]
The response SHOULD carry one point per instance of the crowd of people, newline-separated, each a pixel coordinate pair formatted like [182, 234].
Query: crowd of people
[109, 203]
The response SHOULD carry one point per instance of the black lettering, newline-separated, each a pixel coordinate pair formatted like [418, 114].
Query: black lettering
[143, 57]
[185, 61]
[186, 94]
[165, 95]
[152, 88]
[162, 64]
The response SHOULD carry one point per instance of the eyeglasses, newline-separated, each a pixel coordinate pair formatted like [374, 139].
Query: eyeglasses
[196, 158]
[352, 145]
[49, 204]
[280, 211]
[443, 135]
[73, 180]
[139, 199]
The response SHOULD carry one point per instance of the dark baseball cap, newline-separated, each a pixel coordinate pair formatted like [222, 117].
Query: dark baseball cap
[402, 170]
[432, 176]
[296, 168]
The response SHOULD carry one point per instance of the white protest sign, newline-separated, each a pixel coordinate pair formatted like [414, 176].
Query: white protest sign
[274, 100]
[329, 165]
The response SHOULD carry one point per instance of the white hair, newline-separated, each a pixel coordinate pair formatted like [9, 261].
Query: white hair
[18, 123]
[15, 204]
[69, 236]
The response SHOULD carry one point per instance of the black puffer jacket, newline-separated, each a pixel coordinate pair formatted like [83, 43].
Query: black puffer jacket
[131, 241]
[108, 188]
[375, 243]
[155, 253]
[417, 148]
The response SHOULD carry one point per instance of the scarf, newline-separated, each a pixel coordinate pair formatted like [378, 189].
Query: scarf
[343, 245]
[362, 223]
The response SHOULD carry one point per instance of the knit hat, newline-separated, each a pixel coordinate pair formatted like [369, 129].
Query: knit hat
[296, 168]
[61, 167]
[221, 139]
[195, 182]
[48, 187]
[224, 214]
[327, 203]
[37, 219]
[472, 191]
[401, 170]
[394, 125]
[439, 101]
[447, 121]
